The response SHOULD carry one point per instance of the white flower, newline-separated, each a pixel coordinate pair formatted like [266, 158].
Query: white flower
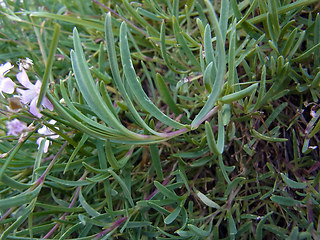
[31, 95]
[16, 127]
[25, 64]
[46, 132]
[6, 84]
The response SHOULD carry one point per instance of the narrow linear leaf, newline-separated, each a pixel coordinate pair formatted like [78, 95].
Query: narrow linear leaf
[266, 138]
[285, 201]
[207, 201]
[293, 184]
[232, 225]
[89, 89]
[183, 44]
[172, 216]
[169, 61]
[221, 133]
[20, 219]
[224, 16]
[76, 150]
[50, 60]
[221, 67]
[71, 19]
[87, 207]
[156, 162]
[210, 139]
[239, 95]
[231, 57]
[13, 183]
[68, 182]
[208, 48]
[19, 199]
[116, 74]
[165, 94]
[260, 226]
[165, 191]
[124, 187]
[135, 85]
[200, 232]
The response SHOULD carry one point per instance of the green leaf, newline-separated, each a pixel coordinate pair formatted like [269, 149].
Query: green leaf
[20, 199]
[209, 74]
[211, 139]
[224, 16]
[232, 185]
[273, 20]
[221, 133]
[124, 187]
[76, 150]
[168, 60]
[87, 207]
[232, 55]
[221, 66]
[208, 48]
[20, 219]
[260, 226]
[116, 74]
[71, 19]
[239, 95]
[89, 89]
[156, 161]
[306, 54]
[166, 192]
[172, 216]
[232, 225]
[183, 44]
[165, 94]
[135, 85]
[139, 19]
[7, 181]
[68, 182]
[293, 184]
[267, 138]
[207, 201]
[200, 232]
[285, 201]
[49, 63]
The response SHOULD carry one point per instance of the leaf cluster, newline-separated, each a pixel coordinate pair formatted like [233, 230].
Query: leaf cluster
[177, 120]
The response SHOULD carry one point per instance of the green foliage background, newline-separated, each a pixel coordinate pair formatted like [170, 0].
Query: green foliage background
[177, 120]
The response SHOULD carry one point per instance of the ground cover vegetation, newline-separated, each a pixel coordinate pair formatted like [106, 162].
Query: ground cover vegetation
[159, 119]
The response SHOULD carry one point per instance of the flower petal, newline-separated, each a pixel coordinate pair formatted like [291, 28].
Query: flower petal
[33, 108]
[15, 127]
[24, 79]
[4, 68]
[27, 95]
[47, 104]
[7, 85]
[46, 144]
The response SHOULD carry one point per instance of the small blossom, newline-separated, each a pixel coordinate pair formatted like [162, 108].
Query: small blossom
[25, 64]
[46, 132]
[6, 84]
[16, 127]
[31, 95]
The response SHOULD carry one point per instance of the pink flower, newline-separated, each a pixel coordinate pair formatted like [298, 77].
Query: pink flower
[31, 95]
[46, 132]
[6, 84]
[16, 127]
